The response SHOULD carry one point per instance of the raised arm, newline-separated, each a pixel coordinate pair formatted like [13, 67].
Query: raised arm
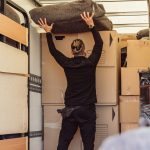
[97, 49]
[59, 57]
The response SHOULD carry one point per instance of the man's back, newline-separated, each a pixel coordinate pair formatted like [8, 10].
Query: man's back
[80, 76]
[80, 72]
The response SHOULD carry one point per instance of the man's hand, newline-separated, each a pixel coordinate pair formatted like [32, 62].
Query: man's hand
[43, 24]
[87, 18]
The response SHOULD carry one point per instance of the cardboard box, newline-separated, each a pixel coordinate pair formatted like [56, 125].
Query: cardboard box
[128, 126]
[53, 77]
[36, 143]
[107, 79]
[107, 123]
[130, 81]
[13, 104]
[106, 82]
[110, 52]
[14, 144]
[129, 109]
[13, 60]
[54, 80]
[52, 125]
[110, 55]
[123, 38]
[138, 53]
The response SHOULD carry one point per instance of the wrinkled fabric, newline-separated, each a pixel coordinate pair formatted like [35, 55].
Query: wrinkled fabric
[138, 139]
[142, 33]
[66, 16]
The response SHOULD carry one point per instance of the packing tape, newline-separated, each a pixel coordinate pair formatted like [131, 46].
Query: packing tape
[54, 125]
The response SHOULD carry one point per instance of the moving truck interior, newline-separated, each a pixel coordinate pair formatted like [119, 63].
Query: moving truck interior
[33, 84]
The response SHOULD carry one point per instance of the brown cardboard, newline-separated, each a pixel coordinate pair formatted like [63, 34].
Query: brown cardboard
[110, 52]
[13, 104]
[128, 126]
[54, 80]
[107, 123]
[107, 85]
[123, 38]
[52, 125]
[129, 109]
[13, 60]
[53, 77]
[13, 30]
[130, 80]
[14, 144]
[138, 53]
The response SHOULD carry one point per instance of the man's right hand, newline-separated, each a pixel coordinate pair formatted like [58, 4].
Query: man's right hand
[87, 18]
[43, 24]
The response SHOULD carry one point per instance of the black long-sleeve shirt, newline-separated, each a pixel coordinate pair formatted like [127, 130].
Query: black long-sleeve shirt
[80, 72]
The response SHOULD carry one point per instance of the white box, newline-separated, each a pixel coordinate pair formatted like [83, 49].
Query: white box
[35, 52]
[35, 112]
[13, 104]
[36, 143]
[52, 125]
[13, 60]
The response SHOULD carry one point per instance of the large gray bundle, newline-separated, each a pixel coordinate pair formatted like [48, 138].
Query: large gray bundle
[9, 12]
[142, 33]
[67, 19]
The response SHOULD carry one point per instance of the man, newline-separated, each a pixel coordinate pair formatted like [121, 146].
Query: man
[80, 95]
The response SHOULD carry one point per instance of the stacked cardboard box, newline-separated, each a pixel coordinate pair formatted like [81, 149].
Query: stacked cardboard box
[14, 92]
[129, 112]
[54, 84]
[52, 125]
[54, 81]
[138, 58]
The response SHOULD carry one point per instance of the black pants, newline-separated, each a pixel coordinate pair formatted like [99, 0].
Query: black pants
[85, 119]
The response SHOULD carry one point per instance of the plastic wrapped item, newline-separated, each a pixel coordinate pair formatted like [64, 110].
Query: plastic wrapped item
[145, 97]
[138, 139]
[66, 16]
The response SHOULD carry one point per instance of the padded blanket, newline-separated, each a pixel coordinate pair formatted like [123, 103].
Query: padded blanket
[66, 16]
[142, 33]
